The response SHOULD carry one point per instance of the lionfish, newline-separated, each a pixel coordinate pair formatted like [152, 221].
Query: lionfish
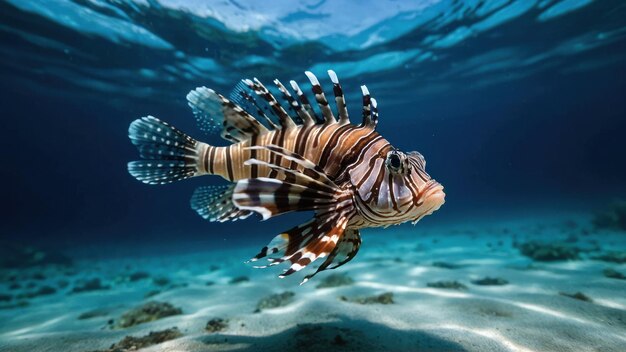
[286, 158]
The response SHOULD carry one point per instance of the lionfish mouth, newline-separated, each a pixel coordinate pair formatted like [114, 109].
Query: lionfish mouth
[434, 197]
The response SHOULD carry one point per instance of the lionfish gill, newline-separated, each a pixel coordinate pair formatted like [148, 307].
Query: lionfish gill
[285, 158]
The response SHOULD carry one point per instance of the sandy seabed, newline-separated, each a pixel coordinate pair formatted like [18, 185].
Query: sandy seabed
[527, 310]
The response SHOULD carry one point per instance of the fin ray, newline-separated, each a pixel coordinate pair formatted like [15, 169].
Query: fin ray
[321, 98]
[214, 203]
[304, 101]
[347, 247]
[304, 244]
[244, 96]
[169, 154]
[302, 116]
[271, 197]
[283, 117]
[309, 168]
[340, 100]
[213, 110]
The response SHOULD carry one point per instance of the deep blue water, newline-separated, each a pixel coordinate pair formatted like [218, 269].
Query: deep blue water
[518, 106]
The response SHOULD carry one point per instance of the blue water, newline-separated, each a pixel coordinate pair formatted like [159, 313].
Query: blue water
[518, 107]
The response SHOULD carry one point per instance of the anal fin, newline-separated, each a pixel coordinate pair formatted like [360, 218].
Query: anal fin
[304, 244]
[347, 247]
[214, 203]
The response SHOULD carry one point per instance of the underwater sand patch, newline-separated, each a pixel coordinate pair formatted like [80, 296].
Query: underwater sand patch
[310, 337]
[494, 312]
[383, 298]
[148, 312]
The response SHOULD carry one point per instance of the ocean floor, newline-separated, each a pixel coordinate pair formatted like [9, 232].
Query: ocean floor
[532, 285]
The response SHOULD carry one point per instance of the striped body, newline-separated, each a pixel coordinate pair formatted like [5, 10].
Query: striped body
[332, 148]
[348, 174]
[338, 150]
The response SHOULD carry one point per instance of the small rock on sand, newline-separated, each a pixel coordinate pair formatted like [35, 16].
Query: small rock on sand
[90, 285]
[100, 312]
[446, 265]
[613, 274]
[450, 285]
[578, 295]
[613, 217]
[490, 281]
[137, 276]
[612, 257]
[384, 298]
[151, 293]
[131, 343]
[238, 280]
[216, 324]
[274, 301]
[548, 252]
[161, 281]
[42, 291]
[148, 312]
[21, 256]
[335, 280]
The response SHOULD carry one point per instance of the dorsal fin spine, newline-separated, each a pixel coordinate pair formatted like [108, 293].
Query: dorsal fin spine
[293, 104]
[305, 104]
[249, 98]
[340, 100]
[374, 111]
[367, 111]
[283, 116]
[321, 98]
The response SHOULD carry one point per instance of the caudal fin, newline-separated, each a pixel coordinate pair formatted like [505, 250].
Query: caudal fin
[168, 154]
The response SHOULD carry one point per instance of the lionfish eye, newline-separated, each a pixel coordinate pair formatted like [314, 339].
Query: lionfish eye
[394, 161]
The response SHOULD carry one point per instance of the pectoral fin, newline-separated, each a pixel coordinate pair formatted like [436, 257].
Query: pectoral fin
[302, 189]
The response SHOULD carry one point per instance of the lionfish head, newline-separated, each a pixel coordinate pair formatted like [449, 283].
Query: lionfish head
[409, 171]
[406, 192]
